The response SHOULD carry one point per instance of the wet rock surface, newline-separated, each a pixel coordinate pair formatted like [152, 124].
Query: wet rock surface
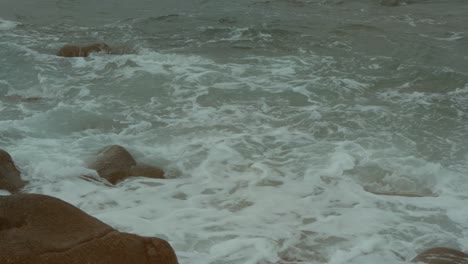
[39, 229]
[114, 163]
[10, 176]
[82, 51]
[441, 255]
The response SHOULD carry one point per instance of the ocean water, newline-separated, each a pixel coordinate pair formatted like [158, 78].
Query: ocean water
[282, 124]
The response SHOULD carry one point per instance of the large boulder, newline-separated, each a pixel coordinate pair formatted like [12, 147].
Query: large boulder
[83, 51]
[10, 178]
[39, 229]
[114, 163]
[441, 255]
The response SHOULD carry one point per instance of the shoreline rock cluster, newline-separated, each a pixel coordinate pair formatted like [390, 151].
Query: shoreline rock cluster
[40, 229]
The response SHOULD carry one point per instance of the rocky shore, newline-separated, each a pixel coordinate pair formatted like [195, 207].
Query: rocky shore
[40, 229]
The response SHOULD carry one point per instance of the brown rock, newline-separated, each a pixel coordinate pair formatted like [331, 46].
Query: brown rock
[78, 51]
[39, 229]
[114, 163]
[10, 178]
[146, 171]
[441, 255]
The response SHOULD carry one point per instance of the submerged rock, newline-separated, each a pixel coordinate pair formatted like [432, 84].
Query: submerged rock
[10, 177]
[82, 51]
[424, 193]
[441, 255]
[39, 229]
[114, 163]
[20, 99]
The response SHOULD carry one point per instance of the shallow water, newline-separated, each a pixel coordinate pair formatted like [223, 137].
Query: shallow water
[276, 121]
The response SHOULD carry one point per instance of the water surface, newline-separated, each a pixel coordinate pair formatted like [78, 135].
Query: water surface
[277, 122]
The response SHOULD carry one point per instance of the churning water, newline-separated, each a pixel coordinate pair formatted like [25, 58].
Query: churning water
[281, 123]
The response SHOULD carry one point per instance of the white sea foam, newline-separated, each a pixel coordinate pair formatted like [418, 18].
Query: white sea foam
[454, 36]
[7, 24]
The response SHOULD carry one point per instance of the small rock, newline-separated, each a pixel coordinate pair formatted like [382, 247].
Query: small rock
[39, 229]
[10, 177]
[114, 163]
[78, 51]
[441, 255]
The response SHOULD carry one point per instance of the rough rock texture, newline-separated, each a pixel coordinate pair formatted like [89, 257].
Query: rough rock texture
[78, 51]
[442, 255]
[145, 170]
[114, 163]
[10, 178]
[39, 229]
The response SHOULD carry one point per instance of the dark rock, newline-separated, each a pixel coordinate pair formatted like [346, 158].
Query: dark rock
[398, 193]
[78, 51]
[441, 255]
[39, 229]
[146, 171]
[10, 178]
[114, 163]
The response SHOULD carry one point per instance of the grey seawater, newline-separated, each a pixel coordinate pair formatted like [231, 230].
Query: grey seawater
[281, 123]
